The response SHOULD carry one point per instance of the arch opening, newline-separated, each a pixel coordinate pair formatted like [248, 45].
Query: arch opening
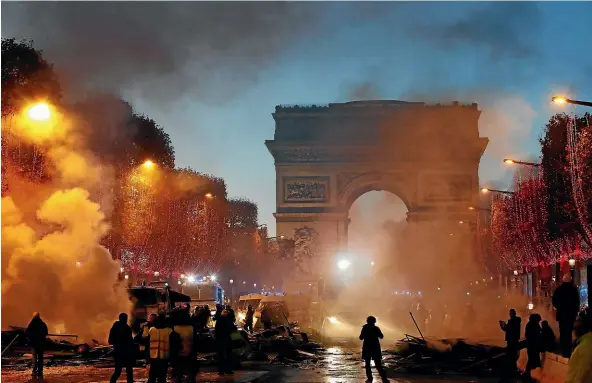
[374, 217]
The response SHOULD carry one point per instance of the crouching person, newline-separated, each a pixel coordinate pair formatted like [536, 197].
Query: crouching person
[186, 349]
[160, 350]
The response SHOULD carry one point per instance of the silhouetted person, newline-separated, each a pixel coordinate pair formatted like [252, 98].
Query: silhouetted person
[207, 315]
[37, 334]
[231, 314]
[121, 338]
[512, 330]
[266, 318]
[371, 336]
[160, 346]
[187, 348]
[224, 327]
[566, 299]
[549, 342]
[142, 337]
[533, 336]
[249, 319]
[579, 368]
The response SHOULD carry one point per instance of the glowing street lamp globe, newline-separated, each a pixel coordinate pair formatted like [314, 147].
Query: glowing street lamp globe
[148, 164]
[39, 112]
[343, 264]
[559, 100]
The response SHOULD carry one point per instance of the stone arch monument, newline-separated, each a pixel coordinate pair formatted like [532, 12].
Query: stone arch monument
[327, 156]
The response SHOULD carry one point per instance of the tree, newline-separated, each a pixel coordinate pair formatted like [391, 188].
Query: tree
[581, 173]
[244, 252]
[562, 212]
[306, 249]
[26, 76]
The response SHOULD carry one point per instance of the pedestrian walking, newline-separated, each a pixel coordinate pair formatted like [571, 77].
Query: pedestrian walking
[222, 332]
[160, 345]
[37, 332]
[371, 336]
[579, 368]
[566, 300]
[249, 319]
[122, 340]
[187, 348]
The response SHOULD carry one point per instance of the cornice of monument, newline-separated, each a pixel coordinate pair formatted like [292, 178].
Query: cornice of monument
[306, 152]
[366, 107]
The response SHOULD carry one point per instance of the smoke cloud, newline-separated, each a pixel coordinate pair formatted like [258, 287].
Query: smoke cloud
[62, 271]
[52, 259]
[177, 48]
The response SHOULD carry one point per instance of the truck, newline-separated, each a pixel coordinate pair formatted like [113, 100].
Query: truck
[203, 293]
[153, 299]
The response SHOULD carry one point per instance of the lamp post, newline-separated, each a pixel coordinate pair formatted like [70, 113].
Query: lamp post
[510, 161]
[487, 190]
[231, 291]
[473, 208]
[564, 100]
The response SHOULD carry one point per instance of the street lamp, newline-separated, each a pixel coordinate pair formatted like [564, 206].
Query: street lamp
[213, 277]
[343, 264]
[487, 190]
[510, 161]
[209, 195]
[564, 100]
[148, 164]
[39, 112]
[473, 208]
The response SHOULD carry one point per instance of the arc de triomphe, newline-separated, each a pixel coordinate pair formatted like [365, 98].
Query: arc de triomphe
[328, 156]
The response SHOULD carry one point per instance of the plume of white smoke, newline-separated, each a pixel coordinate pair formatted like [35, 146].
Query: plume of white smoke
[64, 272]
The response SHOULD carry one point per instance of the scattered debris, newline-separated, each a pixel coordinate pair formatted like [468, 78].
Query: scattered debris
[438, 356]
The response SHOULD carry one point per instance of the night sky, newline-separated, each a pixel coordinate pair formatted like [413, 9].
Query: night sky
[212, 73]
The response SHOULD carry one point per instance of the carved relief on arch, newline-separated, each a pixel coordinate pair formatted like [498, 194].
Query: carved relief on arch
[353, 185]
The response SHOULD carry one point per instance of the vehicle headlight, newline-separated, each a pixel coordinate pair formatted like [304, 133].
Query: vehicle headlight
[332, 320]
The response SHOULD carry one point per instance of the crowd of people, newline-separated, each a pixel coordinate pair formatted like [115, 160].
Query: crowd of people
[575, 336]
[172, 340]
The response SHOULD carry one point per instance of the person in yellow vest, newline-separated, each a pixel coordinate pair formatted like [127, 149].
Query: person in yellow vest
[187, 348]
[579, 368]
[159, 350]
[142, 337]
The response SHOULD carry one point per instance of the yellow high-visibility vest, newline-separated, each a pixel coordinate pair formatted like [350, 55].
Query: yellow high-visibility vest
[160, 342]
